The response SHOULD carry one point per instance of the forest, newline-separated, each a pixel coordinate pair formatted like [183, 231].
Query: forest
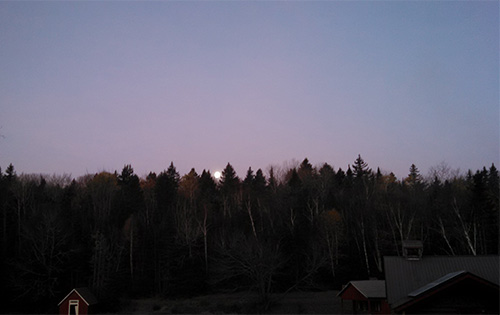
[298, 227]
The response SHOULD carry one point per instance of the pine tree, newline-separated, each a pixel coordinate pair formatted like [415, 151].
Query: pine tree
[249, 178]
[295, 183]
[10, 173]
[272, 183]
[166, 188]
[414, 178]
[126, 175]
[360, 168]
[207, 187]
[229, 188]
[172, 174]
[349, 173]
[259, 181]
[306, 170]
[229, 181]
[339, 177]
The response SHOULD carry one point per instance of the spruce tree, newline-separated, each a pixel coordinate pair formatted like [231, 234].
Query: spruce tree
[259, 181]
[10, 173]
[249, 178]
[360, 168]
[229, 181]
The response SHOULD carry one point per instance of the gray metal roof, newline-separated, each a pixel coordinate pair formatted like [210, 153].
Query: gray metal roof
[371, 289]
[435, 283]
[87, 295]
[403, 277]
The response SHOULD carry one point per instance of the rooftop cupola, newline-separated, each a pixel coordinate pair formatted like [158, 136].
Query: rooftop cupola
[412, 250]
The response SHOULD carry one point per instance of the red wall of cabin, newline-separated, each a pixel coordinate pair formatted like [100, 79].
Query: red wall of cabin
[385, 308]
[82, 306]
[351, 293]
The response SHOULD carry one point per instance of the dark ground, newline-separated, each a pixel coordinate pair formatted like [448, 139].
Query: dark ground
[325, 302]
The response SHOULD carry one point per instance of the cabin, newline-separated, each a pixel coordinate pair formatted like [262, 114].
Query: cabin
[367, 296]
[77, 302]
[418, 284]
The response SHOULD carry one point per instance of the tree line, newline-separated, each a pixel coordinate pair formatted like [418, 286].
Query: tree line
[299, 227]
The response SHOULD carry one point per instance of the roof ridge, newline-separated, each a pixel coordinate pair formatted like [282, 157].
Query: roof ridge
[437, 282]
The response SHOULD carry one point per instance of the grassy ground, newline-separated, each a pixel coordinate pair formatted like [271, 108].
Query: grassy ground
[239, 303]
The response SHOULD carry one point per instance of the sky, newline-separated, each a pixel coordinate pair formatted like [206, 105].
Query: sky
[92, 86]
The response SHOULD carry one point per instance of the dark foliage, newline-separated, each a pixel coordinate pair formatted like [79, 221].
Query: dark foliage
[169, 235]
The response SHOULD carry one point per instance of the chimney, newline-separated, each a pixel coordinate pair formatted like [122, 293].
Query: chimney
[412, 250]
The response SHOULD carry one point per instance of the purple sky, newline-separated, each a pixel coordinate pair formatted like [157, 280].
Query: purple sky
[91, 86]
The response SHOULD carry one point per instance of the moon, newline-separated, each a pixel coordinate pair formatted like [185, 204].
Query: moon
[217, 174]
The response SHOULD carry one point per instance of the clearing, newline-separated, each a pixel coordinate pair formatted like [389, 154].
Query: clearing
[299, 302]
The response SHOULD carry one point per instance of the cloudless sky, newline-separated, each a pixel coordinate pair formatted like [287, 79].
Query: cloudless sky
[91, 86]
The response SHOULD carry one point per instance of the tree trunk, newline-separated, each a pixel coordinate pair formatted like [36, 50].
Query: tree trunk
[205, 244]
[378, 254]
[330, 253]
[465, 230]
[393, 232]
[443, 233]
[249, 209]
[4, 239]
[364, 246]
[131, 248]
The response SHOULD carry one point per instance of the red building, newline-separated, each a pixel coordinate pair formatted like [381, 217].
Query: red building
[78, 302]
[443, 285]
[416, 284]
[368, 297]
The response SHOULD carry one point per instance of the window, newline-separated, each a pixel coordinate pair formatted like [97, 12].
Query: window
[412, 250]
[413, 253]
[73, 307]
[375, 306]
[362, 306]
